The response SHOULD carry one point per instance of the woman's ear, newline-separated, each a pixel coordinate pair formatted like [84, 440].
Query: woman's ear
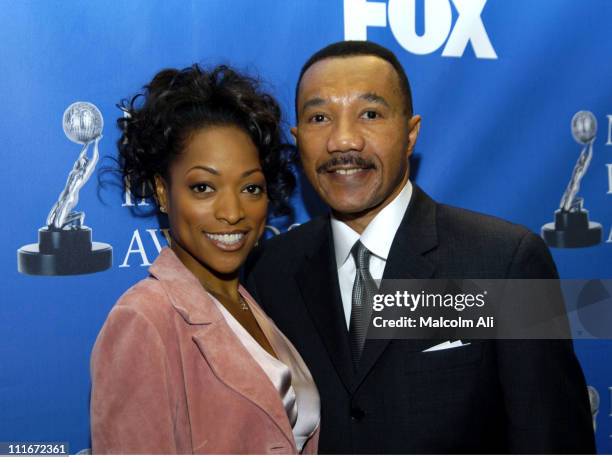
[161, 193]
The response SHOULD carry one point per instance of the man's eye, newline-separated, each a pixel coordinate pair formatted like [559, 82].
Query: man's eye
[254, 189]
[370, 115]
[318, 118]
[202, 188]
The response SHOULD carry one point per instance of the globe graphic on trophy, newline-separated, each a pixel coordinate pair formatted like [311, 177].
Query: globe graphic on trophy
[64, 245]
[584, 127]
[572, 228]
[82, 122]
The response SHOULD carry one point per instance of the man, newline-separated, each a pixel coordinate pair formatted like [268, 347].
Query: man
[355, 132]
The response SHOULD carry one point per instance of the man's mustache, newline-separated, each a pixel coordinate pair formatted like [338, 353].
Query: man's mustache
[345, 160]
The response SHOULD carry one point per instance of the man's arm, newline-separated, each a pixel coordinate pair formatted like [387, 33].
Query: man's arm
[544, 389]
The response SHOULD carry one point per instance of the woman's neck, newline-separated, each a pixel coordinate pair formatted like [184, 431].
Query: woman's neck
[224, 285]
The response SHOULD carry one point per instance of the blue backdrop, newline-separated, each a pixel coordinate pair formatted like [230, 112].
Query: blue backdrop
[496, 82]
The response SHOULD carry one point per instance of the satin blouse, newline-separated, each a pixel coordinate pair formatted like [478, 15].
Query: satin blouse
[287, 373]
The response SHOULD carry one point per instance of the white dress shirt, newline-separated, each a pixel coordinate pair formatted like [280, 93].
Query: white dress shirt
[377, 237]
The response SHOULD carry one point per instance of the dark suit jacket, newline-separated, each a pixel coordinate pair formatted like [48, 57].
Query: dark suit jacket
[489, 397]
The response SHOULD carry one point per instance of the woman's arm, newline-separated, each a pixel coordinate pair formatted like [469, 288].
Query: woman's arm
[131, 401]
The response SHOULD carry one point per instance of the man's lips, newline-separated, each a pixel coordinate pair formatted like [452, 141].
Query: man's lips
[348, 177]
[348, 170]
[345, 164]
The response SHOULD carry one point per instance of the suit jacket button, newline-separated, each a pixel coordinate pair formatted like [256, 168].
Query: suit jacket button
[357, 414]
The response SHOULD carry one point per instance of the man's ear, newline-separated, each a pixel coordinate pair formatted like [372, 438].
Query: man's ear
[161, 193]
[414, 125]
[294, 133]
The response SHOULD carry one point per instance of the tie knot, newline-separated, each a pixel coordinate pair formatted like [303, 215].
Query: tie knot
[361, 255]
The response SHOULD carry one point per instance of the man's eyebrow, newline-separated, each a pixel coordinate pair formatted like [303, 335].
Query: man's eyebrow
[369, 96]
[374, 98]
[316, 101]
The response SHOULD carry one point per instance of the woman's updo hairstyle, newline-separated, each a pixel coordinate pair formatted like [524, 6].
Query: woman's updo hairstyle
[158, 121]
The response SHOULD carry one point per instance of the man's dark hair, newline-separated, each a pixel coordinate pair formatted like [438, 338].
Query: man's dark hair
[350, 48]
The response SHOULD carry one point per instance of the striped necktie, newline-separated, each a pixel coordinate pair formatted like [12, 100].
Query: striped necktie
[364, 289]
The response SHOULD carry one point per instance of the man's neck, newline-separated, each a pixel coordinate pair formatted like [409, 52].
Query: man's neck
[357, 222]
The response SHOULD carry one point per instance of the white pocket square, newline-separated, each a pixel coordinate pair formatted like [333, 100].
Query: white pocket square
[447, 345]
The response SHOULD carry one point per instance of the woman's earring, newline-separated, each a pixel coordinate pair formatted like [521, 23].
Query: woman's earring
[162, 209]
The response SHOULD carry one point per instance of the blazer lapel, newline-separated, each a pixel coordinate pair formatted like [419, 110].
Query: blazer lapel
[234, 366]
[416, 235]
[317, 280]
[230, 361]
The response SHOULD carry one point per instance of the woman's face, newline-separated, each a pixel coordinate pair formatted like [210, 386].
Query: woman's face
[216, 200]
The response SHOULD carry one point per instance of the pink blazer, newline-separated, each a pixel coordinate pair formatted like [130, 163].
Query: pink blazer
[170, 377]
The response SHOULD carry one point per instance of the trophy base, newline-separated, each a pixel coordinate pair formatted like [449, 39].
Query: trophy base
[64, 252]
[572, 230]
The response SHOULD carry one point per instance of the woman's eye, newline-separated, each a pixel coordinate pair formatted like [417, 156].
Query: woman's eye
[318, 118]
[370, 115]
[202, 188]
[254, 189]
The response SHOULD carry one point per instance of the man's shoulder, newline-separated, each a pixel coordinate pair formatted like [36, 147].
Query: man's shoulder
[484, 245]
[467, 224]
[303, 231]
[289, 248]
[456, 226]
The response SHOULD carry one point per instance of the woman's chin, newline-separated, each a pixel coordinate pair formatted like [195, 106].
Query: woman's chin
[225, 265]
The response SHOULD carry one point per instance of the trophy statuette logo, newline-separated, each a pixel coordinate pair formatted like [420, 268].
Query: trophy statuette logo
[572, 228]
[64, 245]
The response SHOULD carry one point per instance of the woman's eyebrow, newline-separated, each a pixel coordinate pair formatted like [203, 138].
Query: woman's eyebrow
[252, 171]
[216, 172]
[206, 168]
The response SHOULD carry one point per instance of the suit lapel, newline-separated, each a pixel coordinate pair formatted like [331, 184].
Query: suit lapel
[317, 280]
[416, 235]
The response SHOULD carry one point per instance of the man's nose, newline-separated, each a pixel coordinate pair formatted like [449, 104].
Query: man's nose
[228, 207]
[345, 136]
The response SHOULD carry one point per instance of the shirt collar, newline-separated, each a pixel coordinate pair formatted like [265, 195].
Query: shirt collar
[378, 235]
[344, 239]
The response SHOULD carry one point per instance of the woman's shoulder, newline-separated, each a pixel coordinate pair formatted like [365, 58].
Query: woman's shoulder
[147, 300]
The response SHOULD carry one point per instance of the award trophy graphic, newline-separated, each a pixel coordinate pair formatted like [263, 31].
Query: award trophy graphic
[571, 228]
[64, 245]
[594, 401]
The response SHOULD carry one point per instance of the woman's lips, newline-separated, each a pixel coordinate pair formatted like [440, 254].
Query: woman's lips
[227, 241]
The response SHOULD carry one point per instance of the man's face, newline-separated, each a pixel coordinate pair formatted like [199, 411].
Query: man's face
[353, 133]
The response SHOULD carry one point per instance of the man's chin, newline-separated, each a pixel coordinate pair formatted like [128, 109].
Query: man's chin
[349, 200]
[349, 210]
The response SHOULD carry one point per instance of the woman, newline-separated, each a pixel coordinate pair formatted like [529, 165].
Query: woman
[186, 361]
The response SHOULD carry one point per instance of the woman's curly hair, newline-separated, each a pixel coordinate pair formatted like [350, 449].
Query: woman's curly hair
[177, 102]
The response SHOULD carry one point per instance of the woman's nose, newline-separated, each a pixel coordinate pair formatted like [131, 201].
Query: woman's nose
[228, 208]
